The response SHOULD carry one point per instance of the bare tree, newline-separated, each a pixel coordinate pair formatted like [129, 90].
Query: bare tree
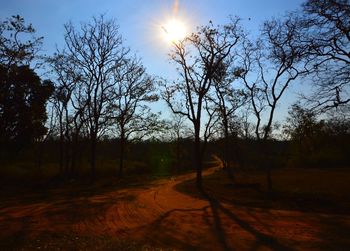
[133, 89]
[243, 126]
[69, 109]
[286, 57]
[227, 101]
[199, 57]
[96, 50]
[248, 71]
[326, 33]
[279, 60]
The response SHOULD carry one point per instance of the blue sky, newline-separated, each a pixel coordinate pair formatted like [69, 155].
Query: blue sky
[140, 22]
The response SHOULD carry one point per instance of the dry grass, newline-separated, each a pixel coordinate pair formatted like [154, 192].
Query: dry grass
[312, 190]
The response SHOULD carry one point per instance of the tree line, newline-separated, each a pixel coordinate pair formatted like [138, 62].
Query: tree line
[229, 86]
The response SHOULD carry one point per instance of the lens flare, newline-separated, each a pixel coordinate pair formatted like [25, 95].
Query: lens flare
[176, 7]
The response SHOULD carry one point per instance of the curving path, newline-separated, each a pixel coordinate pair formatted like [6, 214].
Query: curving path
[164, 217]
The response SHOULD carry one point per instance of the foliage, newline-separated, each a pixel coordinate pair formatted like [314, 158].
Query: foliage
[317, 143]
[23, 99]
[23, 94]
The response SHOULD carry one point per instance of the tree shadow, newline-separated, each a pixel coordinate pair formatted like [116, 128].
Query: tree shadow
[261, 238]
[212, 215]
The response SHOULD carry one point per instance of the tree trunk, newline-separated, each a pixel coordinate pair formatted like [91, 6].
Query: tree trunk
[198, 159]
[121, 157]
[93, 157]
[226, 159]
[74, 154]
[61, 155]
[67, 157]
[177, 155]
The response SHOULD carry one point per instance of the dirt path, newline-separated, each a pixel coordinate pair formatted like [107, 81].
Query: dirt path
[164, 217]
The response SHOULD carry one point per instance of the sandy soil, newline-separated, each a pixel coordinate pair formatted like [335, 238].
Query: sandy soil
[164, 217]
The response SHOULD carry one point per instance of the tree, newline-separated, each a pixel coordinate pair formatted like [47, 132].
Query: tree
[278, 59]
[316, 142]
[96, 50]
[227, 101]
[302, 128]
[132, 90]
[177, 130]
[199, 57]
[68, 104]
[13, 50]
[23, 94]
[23, 99]
[326, 33]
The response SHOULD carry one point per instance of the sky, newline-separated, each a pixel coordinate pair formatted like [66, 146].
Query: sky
[141, 21]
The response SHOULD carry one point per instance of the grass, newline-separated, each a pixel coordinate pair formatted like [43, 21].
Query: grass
[311, 190]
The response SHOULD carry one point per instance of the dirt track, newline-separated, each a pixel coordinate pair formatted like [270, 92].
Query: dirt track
[164, 217]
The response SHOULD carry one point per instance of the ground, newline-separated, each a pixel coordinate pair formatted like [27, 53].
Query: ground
[163, 216]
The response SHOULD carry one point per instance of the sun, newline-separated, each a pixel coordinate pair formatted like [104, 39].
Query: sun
[174, 30]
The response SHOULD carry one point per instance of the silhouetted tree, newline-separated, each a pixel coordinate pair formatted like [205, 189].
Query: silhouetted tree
[14, 50]
[326, 33]
[300, 123]
[68, 104]
[177, 130]
[199, 57]
[278, 59]
[23, 94]
[317, 142]
[23, 99]
[227, 101]
[131, 92]
[96, 50]
[247, 71]
[302, 127]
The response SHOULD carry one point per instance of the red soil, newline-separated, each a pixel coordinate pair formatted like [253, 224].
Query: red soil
[163, 217]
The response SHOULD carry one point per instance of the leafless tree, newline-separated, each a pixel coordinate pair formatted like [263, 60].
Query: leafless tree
[243, 126]
[248, 71]
[326, 33]
[133, 89]
[285, 55]
[96, 49]
[199, 57]
[227, 100]
[278, 60]
[69, 109]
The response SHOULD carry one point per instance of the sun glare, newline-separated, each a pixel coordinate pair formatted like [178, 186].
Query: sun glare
[174, 30]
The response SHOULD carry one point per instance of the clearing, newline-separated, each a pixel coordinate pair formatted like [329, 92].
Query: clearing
[160, 217]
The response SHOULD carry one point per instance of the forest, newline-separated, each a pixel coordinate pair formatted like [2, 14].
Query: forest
[94, 111]
[85, 117]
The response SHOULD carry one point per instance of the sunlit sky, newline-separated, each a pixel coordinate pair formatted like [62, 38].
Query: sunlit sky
[141, 20]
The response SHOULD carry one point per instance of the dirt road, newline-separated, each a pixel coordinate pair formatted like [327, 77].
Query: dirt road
[164, 217]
